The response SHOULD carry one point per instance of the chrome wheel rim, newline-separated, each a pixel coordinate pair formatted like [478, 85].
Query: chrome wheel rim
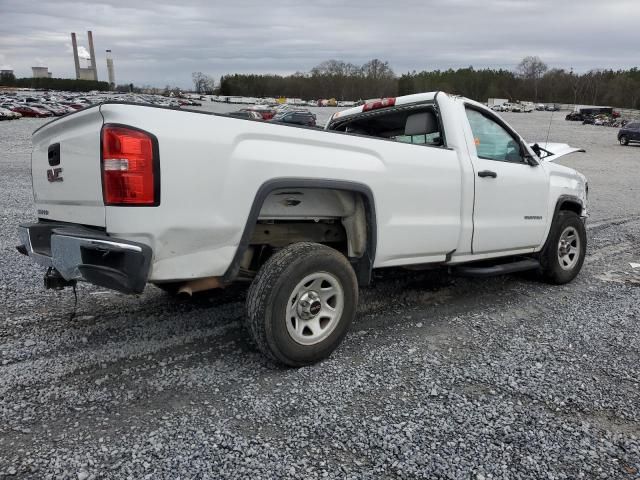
[569, 248]
[314, 308]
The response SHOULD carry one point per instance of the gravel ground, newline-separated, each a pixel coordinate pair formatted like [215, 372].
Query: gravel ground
[504, 378]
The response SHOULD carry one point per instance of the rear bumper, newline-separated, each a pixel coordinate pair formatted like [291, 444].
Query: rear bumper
[83, 254]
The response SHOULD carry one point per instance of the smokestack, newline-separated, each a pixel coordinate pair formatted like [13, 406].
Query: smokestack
[93, 55]
[75, 55]
[110, 71]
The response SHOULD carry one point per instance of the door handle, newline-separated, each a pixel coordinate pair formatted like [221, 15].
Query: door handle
[487, 173]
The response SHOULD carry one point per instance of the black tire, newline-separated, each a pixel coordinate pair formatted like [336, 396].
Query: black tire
[624, 140]
[552, 270]
[274, 285]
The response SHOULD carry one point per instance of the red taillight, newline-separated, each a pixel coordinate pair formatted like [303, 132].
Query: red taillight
[130, 173]
[382, 103]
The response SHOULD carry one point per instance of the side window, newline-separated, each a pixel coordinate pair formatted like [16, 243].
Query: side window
[492, 141]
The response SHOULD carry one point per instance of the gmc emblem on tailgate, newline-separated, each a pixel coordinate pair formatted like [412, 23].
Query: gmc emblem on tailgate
[55, 175]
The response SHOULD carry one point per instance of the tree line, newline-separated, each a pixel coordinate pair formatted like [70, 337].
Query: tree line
[67, 84]
[531, 80]
[330, 79]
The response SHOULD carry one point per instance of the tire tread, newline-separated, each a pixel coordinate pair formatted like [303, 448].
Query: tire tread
[549, 272]
[261, 292]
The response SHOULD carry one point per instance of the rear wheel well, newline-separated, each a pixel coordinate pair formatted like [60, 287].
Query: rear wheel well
[339, 218]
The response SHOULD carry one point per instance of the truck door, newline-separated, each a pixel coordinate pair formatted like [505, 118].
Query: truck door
[511, 196]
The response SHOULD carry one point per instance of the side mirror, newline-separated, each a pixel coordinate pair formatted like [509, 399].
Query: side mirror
[527, 157]
[536, 149]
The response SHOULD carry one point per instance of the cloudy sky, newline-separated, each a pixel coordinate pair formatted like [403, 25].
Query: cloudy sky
[159, 42]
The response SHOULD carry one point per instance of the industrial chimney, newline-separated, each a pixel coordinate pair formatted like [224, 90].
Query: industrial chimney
[76, 59]
[85, 73]
[111, 72]
[93, 55]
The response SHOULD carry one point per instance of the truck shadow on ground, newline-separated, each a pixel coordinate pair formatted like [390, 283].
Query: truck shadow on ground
[202, 321]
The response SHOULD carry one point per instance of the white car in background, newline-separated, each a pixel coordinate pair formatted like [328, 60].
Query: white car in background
[6, 114]
[527, 107]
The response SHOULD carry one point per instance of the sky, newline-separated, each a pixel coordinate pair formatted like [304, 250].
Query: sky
[159, 42]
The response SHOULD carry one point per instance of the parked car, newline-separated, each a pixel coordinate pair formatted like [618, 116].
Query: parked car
[305, 215]
[266, 112]
[527, 107]
[575, 117]
[189, 102]
[55, 110]
[629, 133]
[75, 106]
[296, 118]
[6, 114]
[27, 111]
[552, 108]
[248, 114]
[540, 107]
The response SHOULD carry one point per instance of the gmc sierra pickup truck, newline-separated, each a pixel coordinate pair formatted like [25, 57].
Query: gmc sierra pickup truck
[130, 194]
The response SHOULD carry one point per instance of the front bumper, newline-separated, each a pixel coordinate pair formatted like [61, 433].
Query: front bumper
[80, 253]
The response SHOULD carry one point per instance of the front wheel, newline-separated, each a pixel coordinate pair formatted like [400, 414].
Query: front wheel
[301, 304]
[564, 251]
[624, 140]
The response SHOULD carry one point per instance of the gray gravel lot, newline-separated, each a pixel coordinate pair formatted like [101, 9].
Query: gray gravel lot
[504, 378]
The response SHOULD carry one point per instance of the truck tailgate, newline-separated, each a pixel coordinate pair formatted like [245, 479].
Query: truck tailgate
[65, 166]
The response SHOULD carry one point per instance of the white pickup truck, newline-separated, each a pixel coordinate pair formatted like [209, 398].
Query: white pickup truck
[130, 194]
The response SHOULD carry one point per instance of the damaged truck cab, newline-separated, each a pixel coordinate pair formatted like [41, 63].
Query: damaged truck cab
[131, 194]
